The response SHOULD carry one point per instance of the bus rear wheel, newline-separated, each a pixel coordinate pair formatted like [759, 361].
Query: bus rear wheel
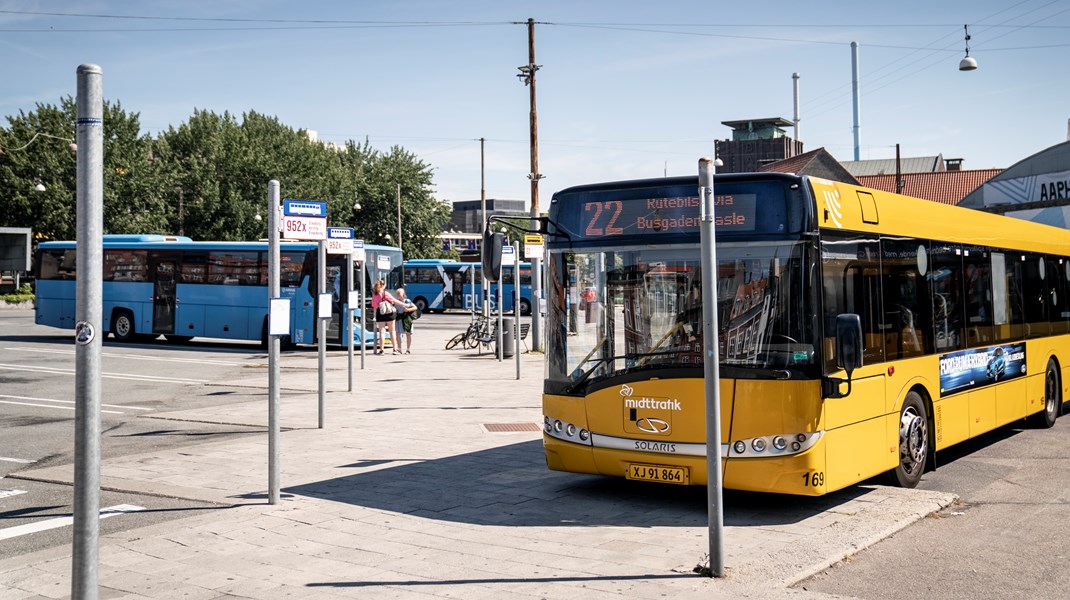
[525, 307]
[122, 325]
[913, 442]
[1052, 398]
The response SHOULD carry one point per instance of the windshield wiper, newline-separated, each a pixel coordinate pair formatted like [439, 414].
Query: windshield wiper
[600, 361]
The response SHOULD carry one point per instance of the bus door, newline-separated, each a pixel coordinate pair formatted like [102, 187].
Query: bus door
[164, 270]
[337, 284]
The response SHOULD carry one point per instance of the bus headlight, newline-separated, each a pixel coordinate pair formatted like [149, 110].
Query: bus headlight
[775, 445]
[563, 430]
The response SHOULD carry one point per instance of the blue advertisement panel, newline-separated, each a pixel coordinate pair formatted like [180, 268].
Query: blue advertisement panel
[978, 367]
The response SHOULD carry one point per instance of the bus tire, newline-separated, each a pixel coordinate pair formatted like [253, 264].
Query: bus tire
[913, 442]
[1052, 398]
[525, 307]
[122, 325]
[421, 303]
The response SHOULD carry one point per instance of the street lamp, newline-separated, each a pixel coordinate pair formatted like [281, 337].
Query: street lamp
[968, 63]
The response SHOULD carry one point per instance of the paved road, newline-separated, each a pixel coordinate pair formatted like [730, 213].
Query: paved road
[139, 380]
[1007, 537]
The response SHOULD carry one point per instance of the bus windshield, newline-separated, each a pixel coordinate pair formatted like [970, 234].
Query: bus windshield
[618, 310]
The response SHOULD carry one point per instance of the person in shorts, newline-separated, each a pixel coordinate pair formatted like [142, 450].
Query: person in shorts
[403, 323]
[384, 319]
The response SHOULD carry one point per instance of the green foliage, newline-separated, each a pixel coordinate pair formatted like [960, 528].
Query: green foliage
[207, 178]
[23, 294]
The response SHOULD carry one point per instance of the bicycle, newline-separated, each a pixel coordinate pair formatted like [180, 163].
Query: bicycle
[480, 330]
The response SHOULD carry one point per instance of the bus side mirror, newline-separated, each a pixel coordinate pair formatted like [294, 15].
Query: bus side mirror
[848, 343]
[491, 254]
[848, 354]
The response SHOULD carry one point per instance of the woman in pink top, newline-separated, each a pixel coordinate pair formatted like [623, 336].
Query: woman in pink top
[384, 321]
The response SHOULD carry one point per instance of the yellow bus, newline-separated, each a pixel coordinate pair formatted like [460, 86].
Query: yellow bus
[964, 326]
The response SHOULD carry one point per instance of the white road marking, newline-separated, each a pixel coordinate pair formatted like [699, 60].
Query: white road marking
[10, 493]
[111, 511]
[71, 402]
[111, 412]
[199, 361]
[22, 461]
[56, 371]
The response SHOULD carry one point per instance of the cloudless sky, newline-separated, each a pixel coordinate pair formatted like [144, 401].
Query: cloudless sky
[626, 89]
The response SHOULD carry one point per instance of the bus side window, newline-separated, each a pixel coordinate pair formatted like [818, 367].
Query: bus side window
[851, 269]
[977, 287]
[945, 280]
[907, 316]
[1034, 295]
[1059, 295]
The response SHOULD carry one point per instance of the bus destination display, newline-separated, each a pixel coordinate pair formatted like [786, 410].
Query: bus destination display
[666, 215]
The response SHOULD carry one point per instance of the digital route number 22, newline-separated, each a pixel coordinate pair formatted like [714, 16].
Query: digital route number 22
[612, 210]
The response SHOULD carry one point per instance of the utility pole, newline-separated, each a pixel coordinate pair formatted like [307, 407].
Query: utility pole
[527, 75]
[399, 215]
[483, 214]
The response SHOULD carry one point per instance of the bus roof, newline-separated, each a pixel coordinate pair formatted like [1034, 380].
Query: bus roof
[178, 242]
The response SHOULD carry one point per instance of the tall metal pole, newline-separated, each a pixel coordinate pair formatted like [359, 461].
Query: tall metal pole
[516, 306]
[274, 343]
[484, 284]
[711, 369]
[88, 333]
[321, 331]
[349, 315]
[536, 263]
[363, 317]
[399, 216]
[795, 88]
[854, 96]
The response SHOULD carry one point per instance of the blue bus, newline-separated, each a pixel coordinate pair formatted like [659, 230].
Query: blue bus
[441, 284]
[173, 286]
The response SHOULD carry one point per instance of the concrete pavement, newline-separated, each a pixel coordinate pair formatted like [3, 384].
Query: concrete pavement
[428, 481]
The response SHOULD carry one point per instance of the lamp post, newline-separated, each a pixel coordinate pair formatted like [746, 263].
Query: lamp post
[399, 215]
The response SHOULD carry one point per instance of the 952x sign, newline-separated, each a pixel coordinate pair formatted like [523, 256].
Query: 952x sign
[304, 228]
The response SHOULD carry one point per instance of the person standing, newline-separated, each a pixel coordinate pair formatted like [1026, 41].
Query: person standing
[406, 315]
[385, 315]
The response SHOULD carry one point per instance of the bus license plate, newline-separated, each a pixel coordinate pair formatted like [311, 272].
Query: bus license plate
[660, 473]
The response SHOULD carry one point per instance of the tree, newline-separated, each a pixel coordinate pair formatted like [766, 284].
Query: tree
[36, 152]
[207, 178]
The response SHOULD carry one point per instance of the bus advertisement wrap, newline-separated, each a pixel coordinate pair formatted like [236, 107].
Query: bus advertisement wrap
[978, 367]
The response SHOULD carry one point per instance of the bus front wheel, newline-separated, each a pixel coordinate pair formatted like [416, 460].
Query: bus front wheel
[525, 307]
[1052, 398]
[913, 442]
[122, 325]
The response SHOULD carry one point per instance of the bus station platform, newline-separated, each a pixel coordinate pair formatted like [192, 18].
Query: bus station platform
[428, 481]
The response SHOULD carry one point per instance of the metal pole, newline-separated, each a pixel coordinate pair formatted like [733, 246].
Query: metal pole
[363, 317]
[472, 278]
[536, 278]
[274, 343]
[483, 284]
[501, 320]
[711, 369]
[854, 95]
[89, 332]
[349, 315]
[399, 216]
[516, 307]
[795, 87]
[321, 331]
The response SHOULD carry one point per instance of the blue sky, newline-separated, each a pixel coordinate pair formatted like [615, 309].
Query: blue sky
[626, 89]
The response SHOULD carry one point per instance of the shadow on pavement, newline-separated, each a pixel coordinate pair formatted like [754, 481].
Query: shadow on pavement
[511, 485]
